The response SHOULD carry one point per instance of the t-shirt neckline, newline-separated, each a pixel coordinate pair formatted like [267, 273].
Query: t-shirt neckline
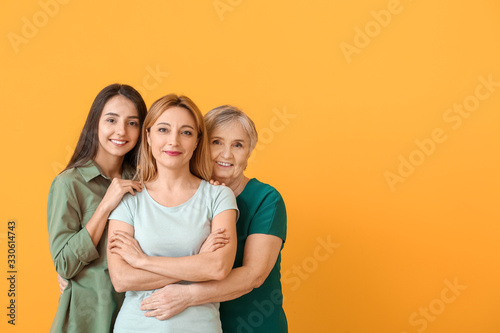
[178, 206]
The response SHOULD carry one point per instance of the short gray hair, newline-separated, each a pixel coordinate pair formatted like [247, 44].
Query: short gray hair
[226, 114]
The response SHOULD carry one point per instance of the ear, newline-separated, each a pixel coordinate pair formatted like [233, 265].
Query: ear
[148, 138]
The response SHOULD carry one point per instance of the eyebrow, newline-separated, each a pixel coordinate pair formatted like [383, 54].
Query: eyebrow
[218, 137]
[163, 123]
[117, 115]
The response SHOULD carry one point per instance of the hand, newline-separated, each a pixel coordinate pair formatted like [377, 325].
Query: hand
[127, 247]
[117, 189]
[216, 182]
[214, 241]
[63, 283]
[167, 301]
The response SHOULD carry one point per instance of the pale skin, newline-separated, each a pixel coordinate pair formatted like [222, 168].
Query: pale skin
[229, 145]
[129, 267]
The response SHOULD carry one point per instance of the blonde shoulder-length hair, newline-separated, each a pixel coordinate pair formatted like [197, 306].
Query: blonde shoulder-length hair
[200, 164]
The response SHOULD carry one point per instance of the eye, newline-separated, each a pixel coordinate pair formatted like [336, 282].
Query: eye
[162, 130]
[238, 145]
[189, 133]
[216, 142]
[110, 120]
[133, 123]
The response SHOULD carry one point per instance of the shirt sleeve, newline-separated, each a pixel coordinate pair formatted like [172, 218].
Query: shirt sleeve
[123, 211]
[270, 217]
[225, 200]
[71, 246]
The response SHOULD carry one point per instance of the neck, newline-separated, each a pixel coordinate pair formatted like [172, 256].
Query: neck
[111, 166]
[174, 179]
[237, 184]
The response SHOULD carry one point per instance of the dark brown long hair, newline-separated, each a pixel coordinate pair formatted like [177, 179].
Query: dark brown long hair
[88, 143]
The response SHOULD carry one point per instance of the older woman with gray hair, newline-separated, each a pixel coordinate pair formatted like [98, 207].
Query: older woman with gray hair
[251, 296]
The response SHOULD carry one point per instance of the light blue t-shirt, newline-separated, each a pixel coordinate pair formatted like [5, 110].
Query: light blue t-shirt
[171, 232]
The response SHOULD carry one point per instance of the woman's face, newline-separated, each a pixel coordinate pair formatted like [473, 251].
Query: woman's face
[230, 150]
[173, 138]
[119, 127]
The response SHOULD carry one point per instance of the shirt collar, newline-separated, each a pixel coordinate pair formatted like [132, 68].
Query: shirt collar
[89, 171]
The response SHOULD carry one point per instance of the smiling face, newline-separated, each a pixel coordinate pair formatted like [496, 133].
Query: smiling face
[119, 128]
[230, 150]
[173, 138]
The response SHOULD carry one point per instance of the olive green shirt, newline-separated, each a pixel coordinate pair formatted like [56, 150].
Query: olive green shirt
[89, 303]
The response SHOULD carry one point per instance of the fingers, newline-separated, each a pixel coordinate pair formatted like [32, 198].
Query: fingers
[120, 234]
[147, 306]
[135, 186]
[217, 246]
[215, 182]
[159, 314]
[62, 283]
[218, 231]
[125, 185]
[120, 240]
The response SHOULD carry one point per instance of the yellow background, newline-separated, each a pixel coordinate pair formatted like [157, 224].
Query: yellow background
[349, 119]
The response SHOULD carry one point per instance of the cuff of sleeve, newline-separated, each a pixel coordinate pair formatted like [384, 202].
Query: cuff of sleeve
[82, 247]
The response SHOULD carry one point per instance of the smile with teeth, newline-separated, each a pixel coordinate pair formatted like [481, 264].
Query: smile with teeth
[118, 142]
[223, 164]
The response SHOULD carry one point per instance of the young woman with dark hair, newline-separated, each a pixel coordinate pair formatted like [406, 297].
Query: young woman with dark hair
[80, 200]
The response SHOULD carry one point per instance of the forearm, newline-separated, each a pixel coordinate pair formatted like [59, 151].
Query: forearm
[239, 282]
[79, 249]
[95, 226]
[200, 267]
[125, 278]
[71, 254]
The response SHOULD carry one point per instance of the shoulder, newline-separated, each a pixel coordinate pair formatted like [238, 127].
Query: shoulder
[133, 200]
[215, 191]
[258, 191]
[67, 179]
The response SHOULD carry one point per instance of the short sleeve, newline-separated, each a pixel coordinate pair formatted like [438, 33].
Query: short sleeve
[71, 246]
[125, 210]
[270, 217]
[225, 200]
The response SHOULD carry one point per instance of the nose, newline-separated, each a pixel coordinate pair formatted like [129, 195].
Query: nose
[121, 128]
[226, 151]
[173, 139]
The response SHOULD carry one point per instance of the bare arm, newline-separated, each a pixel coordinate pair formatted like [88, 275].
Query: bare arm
[116, 190]
[260, 255]
[125, 277]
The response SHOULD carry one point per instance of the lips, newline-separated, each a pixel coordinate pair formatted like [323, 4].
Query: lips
[172, 153]
[223, 164]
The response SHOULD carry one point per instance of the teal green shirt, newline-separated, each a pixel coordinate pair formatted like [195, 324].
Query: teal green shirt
[262, 211]
[89, 303]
